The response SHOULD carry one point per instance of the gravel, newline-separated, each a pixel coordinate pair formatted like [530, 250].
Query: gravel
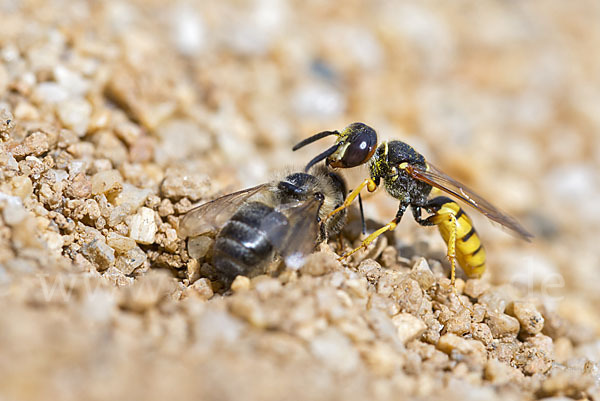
[117, 118]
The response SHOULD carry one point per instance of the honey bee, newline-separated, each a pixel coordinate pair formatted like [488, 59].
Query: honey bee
[279, 219]
[408, 177]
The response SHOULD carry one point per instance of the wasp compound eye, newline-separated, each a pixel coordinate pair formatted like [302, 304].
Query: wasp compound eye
[362, 141]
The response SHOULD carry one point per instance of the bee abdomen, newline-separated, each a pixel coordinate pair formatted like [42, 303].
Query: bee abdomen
[241, 247]
[470, 252]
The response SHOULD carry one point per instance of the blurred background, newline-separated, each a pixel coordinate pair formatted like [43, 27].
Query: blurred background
[501, 95]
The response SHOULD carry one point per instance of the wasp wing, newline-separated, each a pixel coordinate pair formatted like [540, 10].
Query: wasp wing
[293, 229]
[212, 215]
[435, 177]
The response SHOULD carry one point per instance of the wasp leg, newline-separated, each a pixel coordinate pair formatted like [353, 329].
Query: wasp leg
[416, 211]
[388, 227]
[371, 186]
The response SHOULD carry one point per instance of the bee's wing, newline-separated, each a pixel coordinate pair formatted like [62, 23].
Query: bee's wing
[435, 177]
[212, 215]
[293, 229]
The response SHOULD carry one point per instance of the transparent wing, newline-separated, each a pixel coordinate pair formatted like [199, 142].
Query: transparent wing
[293, 228]
[435, 177]
[212, 215]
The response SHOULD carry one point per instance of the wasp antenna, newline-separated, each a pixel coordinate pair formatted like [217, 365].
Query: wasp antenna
[320, 157]
[314, 138]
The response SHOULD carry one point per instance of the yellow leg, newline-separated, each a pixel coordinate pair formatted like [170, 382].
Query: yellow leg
[452, 250]
[388, 227]
[452, 257]
[371, 186]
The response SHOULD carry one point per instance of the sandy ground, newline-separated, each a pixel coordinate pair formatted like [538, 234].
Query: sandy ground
[117, 117]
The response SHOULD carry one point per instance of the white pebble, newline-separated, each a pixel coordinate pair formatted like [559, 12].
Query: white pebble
[143, 227]
[75, 114]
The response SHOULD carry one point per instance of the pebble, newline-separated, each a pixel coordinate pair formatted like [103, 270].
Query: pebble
[335, 351]
[408, 327]
[180, 183]
[130, 260]
[199, 246]
[422, 274]
[120, 243]
[147, 291]
[240, 283]
[201, 288]
[452, 344]
[142, 227]
[80, 187]
[35, 144]
[531, 321]
[482, 332]
[75, 114]
[502, 325]
[105, 182]
[100, 254]
[131, 197]
[500, 373]
[475, 287]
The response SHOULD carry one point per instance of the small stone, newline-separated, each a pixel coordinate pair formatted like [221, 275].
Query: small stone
[131, 197]
[22, 186]
[34, 144]
[532, 321]
[475, 287]
[109, 181]
[97, 252]
[335, 350]
[13, 211]
[460, 323]
[131, 260]
[249, 309]
[201, 289]
[494, 299]
[108, 146]
[180, 183]
[482, 332]
[240, 283]
[542, 343]
[502, 325]
[408, 327]
[75, 115]
[199, 246]
[532, 361]
[120, 243]
[316, 264]
[7, 122]
[71, 80]
[451, 343]
[80, 187]
[128, 132]
[357, 287]
[142, 227]
[147, 291]
[165, 208]
[421, 273]
[500, 373]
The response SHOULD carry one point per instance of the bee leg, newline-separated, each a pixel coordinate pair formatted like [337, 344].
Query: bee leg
[371, 186]
[388, 227]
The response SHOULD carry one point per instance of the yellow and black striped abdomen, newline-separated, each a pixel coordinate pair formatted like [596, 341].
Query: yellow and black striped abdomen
[450, 218]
